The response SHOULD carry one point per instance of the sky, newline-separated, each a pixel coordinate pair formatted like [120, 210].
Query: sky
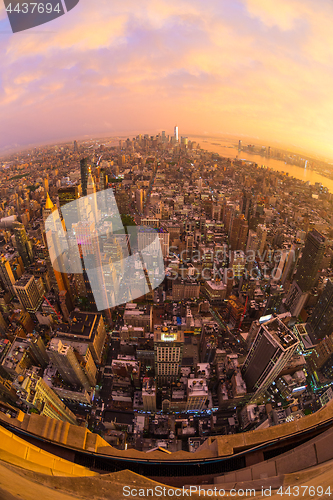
[257, 68]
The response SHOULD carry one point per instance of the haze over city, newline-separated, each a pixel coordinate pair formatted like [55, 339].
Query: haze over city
[249, 68]
[166, 249]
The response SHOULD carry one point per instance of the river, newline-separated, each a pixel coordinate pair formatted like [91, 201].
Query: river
[225, 147]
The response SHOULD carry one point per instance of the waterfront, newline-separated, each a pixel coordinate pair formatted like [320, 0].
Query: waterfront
[226, 147]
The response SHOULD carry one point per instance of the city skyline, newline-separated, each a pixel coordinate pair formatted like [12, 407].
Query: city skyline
[237, 337]
[166, 247]
[246, 68]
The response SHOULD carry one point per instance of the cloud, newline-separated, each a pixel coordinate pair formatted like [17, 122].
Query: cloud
[252, 67]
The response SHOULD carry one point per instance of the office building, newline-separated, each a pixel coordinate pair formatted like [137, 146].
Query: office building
[321, 359]
[185, 289]
[67, 194]
[139, 316]
[23, 353]
[3, 324]
[30, 292]
[215, 291]
[307, 272]
[6, 275]
[262, 236]
[234, 310]
[58, 281]
[273, 347]
[291, 262]
[176, 135]
[84, 175]
[149, 394]
[252, 244]
[49, 207]
[91, 260]
[197, 394]
[168, 349]
[139, 200]
[66, 362]
[91, 188]
[320, 323]
[23, 244]
[103, 179]
[84, 327]
[156, 239]
[238, 233]
[274, 300]
[208, 343]
[312, 254]
[35, 392]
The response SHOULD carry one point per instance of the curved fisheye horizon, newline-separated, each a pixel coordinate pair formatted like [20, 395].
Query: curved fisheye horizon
[199, 134]
[166, 249]
[236, 67]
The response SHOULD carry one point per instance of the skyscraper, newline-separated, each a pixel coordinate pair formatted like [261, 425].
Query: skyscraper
[75, 147]
[238, 233]
[35, 392]
[64, 359]
[271, 350]
[149, 394]
[3, 324]
[291, 262]
[274, 300]
[23, 244]
[197, 394]
[103, 179]
[48, 208]
[262, 235]
[84, 328]
[89, 247]
[176, 134]
[139, 200]
[307, 272]
[46, 183]
[6, 274]
[320, 323]
[168, 348]
[91, 188]
[30, 292]
[84, 175]
[321, 359]
[68, 194]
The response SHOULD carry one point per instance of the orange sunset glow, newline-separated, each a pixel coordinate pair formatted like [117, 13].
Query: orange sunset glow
[256, 68]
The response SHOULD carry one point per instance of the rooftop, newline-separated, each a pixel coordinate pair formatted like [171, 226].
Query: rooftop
[81, 324]
[280, 332]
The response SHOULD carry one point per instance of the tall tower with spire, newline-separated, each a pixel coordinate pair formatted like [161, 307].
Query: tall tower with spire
[91, 183]
[49, 207]
[176, 136]
[59, 281]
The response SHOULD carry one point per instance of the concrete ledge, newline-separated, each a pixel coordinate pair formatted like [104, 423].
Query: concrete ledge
[15, 450]
[220, 446]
